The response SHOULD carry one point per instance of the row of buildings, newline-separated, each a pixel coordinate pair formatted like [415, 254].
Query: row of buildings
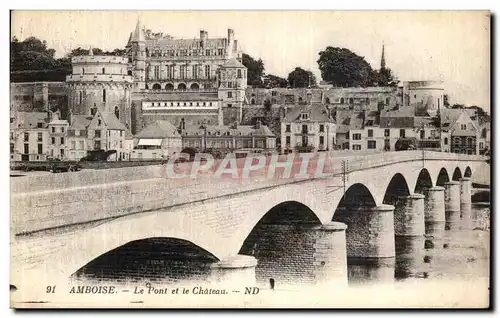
[166, 94]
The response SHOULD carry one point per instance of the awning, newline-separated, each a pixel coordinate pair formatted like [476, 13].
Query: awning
[149, 142]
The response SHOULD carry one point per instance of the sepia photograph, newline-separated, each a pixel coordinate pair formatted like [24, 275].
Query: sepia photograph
[250, 159]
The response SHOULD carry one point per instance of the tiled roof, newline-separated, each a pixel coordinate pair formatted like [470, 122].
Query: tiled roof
[239, 130]
[348, 119]
[233, 63]
[400, 118]
[159, 129]
[170, 43]
[316, 113]
[112, 122]
[80, 122]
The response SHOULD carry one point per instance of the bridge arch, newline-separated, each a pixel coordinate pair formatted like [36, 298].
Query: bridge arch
[357, 195]
[158, 258]
[124, 230]
[457, 174]
[424, 181]
[442, 177]
[282, 243]
[397, 187]
[468, 172]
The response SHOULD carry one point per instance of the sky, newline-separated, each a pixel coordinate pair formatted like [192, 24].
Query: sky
[452, 46]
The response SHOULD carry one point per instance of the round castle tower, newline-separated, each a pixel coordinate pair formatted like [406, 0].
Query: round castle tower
[100, 82]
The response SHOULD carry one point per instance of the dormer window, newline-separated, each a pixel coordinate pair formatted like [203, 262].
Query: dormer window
[304, 116]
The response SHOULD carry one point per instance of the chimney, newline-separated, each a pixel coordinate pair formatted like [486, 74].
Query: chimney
[203, 37]
[258, 124]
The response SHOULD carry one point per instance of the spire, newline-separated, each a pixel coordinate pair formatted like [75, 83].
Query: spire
[138, 35]
[382, 60]
[91, 53]
[129, 39]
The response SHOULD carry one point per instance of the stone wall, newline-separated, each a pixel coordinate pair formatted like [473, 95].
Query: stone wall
[38, 96]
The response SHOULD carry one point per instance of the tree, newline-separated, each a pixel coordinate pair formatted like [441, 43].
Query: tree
[341, 67]
[255, 70]
[384, 77]
[301, 78]
[273, 81]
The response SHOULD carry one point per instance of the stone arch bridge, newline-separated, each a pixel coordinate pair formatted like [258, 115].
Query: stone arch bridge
[61, 223]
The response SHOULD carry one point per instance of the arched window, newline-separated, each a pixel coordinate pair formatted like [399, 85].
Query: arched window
[117, 112]
[252, 101]
[129, 73]
[156, 86]
[342, 100]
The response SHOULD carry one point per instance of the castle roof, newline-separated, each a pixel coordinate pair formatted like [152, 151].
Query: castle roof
[138, 35]
[80, 122]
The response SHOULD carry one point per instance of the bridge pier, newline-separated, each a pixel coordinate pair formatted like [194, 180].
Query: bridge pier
[409, 230]
[236, 270]
[434, 214]
[370, 231]
[330, 256]
[466, 203]
[452, 205]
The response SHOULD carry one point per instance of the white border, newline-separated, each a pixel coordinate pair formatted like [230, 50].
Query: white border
[492, 5]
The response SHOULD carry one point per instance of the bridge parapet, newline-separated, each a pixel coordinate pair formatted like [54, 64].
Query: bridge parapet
[54, 200]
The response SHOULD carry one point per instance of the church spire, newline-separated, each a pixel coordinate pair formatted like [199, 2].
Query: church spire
[382, 60]
[138, 35]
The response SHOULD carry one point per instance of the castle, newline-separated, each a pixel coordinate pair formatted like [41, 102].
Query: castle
[162, 78]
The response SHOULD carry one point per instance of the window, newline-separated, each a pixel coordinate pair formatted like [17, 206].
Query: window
[372, 144]
[239, 74]
[104, 95]
[351, 101]
[53, 129]
[356, 147]
[80, 144]
[229, 94]
[305, 116]
[12, 147]
[287, 140]
[80, 97]
[402, 133]
[356, 136]
[103, 70]
[321, 140]
[342, 100]
[229, 84]
[463, 127]
[304, 129]
[156, 72]
[97, 145]
[26, 136]
[99, 122]
[73, 144]
[387, 132]
[98, 134]
[40, 149]
[183, 70]
[321, 128]
[422, 134]
[83, 70]
[77, 132]
[53, 140]
[170, 71]
[387, 101]
[445, 140]
[62, 152]
[207, 52]
[62, 130]
[62, 140]
[229, 105]
[220, 51]
[207, 70]
[26, 148]
[481, 145]
[370, 132]
[287, 128]
[40, 137]
[470, 142]
[39, 125]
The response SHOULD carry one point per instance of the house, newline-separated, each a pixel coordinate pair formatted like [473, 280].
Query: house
[77, 136]
[308, 128]
[225, 139]
[158, 140]
[58, 129]
[29, 136]
[106, 132]
[399, 123]
[463, 132]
